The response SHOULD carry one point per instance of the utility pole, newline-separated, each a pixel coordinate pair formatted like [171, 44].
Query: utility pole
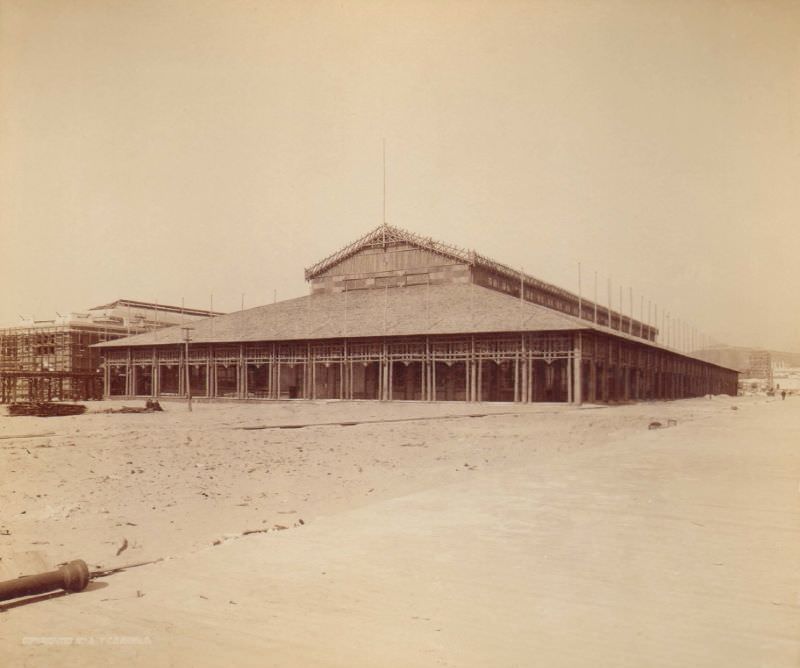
[187, 337]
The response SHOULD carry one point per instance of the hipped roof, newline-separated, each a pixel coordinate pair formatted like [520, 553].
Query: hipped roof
[405, 311]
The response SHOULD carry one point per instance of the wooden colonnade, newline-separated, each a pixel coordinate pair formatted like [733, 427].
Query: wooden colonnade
[533, 366]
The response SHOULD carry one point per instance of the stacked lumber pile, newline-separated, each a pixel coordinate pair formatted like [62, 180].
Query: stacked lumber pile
[46, 409]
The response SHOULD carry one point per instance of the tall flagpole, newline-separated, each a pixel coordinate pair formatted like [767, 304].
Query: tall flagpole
[630, 319]
[655, 322]
[641, 317]
[384, 181]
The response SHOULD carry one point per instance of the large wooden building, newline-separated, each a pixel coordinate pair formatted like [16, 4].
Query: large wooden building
[397, 316]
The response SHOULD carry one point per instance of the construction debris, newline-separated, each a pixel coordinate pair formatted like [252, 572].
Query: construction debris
[46, 433]
[353, 423]
[119, 569]
[45, 409]
[151, 406]
[660, 425]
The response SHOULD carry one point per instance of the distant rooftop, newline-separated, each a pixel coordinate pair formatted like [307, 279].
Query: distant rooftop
[124, 303]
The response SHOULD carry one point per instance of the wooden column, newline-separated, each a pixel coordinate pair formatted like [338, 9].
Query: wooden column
[382, 373]
[474, 385]
[182, 362]
[156, 378]
[129, 375]
[472, 394]
[605, 381]
[274, 373]
[307, 375]
[427, 370]
[211, 375]
[241, 377]
[480, 379]
[531, 379]
[350, 379]
[577, 361]
[569, 380]
[343, 372]
[422, 372]
[626, 377]
[433, 378]
[523, 370]
[468, 379]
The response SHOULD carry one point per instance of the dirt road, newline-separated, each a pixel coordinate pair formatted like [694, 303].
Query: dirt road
[554, 536]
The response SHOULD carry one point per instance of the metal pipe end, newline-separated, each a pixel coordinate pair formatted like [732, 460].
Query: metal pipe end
[76, 575]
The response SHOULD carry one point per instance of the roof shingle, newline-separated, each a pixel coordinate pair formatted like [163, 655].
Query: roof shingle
[416, 310]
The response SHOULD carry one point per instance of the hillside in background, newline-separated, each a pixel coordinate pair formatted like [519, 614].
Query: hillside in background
[735, 357]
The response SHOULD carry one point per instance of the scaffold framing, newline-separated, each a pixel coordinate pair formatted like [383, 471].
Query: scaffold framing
[55, 361]
[51, 363]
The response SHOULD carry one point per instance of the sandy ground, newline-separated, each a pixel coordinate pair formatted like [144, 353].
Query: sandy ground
[541, 535]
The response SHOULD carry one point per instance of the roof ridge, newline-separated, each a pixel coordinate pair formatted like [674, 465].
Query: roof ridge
[469, 256]
[386, 234]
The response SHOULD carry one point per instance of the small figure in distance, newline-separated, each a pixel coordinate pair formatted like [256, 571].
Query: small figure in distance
[783, 395]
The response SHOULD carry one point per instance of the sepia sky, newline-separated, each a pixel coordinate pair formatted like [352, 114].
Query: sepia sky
[160, 150]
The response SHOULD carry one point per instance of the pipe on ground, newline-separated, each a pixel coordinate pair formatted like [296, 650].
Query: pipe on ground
[73, 577]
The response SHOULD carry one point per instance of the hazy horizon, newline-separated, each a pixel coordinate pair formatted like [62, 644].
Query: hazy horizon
[166, 151]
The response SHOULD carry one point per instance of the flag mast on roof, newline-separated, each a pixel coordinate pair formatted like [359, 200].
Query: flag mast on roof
[385, 224]
[384, 182]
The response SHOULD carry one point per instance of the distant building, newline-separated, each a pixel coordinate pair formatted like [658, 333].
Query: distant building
[785, 376]
[760, 367]
[398, 316]
[53, 359]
